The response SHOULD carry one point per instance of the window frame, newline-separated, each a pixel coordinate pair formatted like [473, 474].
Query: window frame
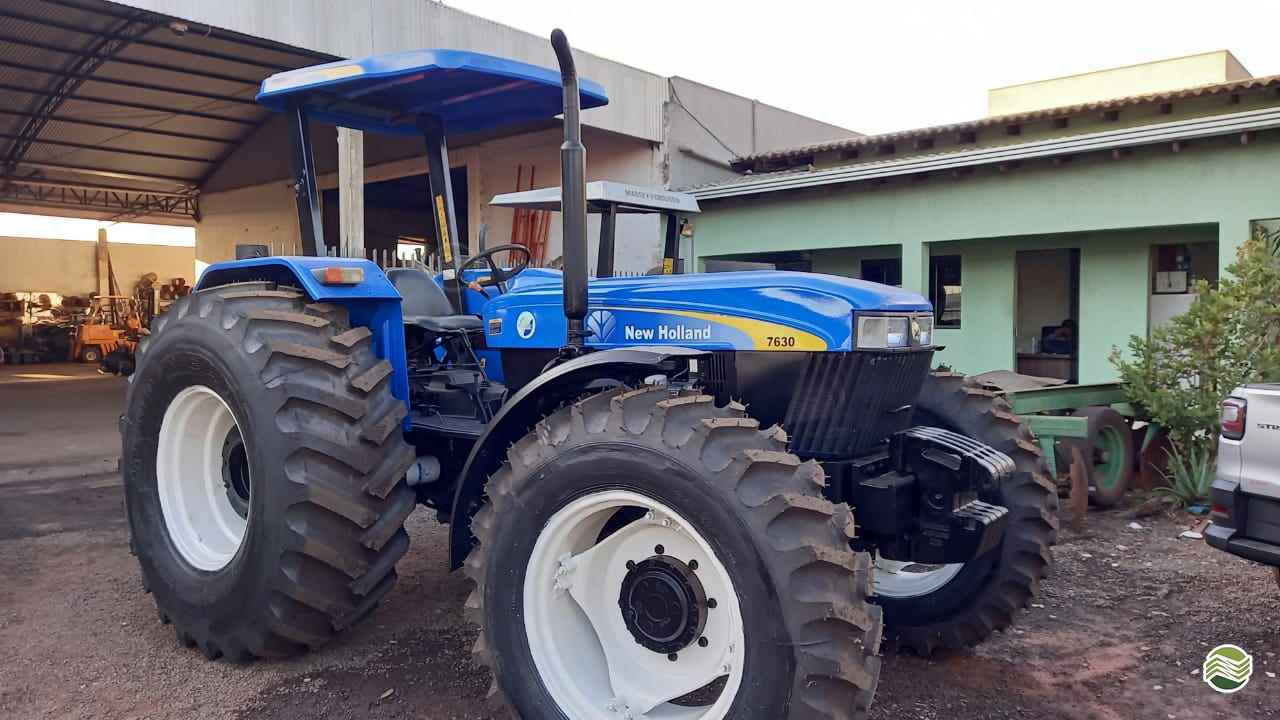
[881, 263]
[938, 281]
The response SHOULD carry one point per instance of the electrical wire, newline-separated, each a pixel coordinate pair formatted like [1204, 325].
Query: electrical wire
[709, 131]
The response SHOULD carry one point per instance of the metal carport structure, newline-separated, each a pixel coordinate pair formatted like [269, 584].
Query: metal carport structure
[117, 113]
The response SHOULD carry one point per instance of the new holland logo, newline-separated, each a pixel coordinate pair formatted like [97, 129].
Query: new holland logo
[601, 325]
[526, 323]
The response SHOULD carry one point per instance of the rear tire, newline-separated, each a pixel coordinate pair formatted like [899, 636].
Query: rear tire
[90, 354]
[264, 471]
[789, 588]
[984, 594]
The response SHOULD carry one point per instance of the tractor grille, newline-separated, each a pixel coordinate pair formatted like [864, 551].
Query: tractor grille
[845, 403]
[719, 375]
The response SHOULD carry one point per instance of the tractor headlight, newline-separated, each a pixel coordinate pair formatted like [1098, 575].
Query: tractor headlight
[889, 332]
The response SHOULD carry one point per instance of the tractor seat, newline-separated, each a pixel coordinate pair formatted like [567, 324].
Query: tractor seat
[425, 305]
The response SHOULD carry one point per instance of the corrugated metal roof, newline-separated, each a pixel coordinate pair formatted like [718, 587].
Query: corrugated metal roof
[154, 108]
[1003, 120]
[795, 179]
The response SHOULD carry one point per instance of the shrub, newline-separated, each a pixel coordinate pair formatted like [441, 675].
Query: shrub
[1178, 376]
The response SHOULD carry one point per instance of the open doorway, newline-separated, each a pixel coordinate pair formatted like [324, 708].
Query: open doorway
[398, 219]
[1047, 314]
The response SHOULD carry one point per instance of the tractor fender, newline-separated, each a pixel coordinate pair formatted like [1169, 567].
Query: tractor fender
[373, 302]
[536, 400]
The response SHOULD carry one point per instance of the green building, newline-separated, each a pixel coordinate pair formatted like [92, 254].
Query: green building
[1104, 213]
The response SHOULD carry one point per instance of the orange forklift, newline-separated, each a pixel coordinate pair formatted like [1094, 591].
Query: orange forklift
[113, 322]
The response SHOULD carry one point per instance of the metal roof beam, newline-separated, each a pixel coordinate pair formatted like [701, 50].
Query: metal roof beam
[95, 77]
[137, 63]
[92, 187]
[108, 173]
[197, 52]
[142, 130]
[168, 111]
[122, 203]
[110, 149]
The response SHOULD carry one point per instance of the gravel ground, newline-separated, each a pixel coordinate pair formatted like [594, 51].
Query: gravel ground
[1119, 634]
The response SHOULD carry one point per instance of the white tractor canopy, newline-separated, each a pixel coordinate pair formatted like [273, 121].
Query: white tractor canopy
[604, 193]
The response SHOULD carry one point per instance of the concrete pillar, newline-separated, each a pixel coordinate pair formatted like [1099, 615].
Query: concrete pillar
[104, 267]
[1231, 235]
[351, 193]
[915, 266]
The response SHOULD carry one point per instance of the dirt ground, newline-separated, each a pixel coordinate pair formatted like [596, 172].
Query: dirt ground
[1119, 634]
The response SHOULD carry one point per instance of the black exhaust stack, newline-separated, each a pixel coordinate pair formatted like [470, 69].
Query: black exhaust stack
[573, 195]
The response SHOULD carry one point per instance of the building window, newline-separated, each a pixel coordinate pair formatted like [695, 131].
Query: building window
[944, 290]
[887, 271]
[1267, 232]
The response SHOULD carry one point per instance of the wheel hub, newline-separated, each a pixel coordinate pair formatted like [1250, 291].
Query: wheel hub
[235, 472]
[203, 479]
[663, 604]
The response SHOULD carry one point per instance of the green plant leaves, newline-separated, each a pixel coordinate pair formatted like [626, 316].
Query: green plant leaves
[1190, 474]
[1228, 337]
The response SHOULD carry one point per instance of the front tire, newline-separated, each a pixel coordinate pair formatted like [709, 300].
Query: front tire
[263, 468]
[642, 550]
[956, 606]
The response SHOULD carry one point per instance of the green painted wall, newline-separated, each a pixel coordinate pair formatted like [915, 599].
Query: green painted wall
[1112, 210]
[848, 261]
[1114, 287]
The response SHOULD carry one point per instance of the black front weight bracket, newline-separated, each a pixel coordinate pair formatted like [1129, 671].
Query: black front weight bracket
[925, 509]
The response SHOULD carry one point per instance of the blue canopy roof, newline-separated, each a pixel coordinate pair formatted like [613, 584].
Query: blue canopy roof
[469, 91]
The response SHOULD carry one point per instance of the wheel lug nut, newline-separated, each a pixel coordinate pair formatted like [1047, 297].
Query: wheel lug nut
[659, 550]
[711, 603]
[693, 564]
[673, 657]
[631, 564]
[703, 642]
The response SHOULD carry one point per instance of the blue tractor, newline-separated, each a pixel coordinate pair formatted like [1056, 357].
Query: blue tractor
[652, 481]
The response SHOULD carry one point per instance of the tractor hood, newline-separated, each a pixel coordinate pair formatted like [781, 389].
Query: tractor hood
[770, 310]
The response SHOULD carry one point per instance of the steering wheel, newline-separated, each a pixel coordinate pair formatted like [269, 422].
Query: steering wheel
[498, 276]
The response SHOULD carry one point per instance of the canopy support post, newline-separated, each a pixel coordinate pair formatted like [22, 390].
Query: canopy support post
[608, 237]
[310, 220]
[446, 222]
[671, 248]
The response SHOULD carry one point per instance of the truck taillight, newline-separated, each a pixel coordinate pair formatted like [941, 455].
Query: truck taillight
[1233, 414]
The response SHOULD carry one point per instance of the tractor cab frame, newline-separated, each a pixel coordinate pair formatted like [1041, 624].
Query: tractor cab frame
[609, 200]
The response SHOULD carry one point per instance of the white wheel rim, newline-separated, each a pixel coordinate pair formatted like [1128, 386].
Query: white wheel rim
[587, 659]
[898, 579]
[198, 514]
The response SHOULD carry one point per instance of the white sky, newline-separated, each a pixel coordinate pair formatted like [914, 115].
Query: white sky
[881, 66]
[65, 228]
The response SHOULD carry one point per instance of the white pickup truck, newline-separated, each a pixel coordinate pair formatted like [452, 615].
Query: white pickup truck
[1246, 493]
